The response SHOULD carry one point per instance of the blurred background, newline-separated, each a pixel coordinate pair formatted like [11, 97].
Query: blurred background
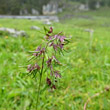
[48, 7]
[86, 69]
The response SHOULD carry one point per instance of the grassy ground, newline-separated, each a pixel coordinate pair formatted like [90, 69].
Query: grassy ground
[86, 73]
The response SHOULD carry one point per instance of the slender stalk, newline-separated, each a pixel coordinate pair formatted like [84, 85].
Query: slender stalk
[41, 75]
[40, 78]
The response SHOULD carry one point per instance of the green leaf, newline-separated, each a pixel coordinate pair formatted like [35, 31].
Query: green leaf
[45, 29]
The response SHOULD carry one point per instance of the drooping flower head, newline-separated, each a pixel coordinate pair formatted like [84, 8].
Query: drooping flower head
[42, 56]
[48, 81]
[49, 61]
[36, 66]
[51, 30]
[57, 74]
[30, 67]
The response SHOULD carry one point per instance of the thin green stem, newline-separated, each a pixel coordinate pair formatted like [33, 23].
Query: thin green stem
[40, 79]
[41, 75]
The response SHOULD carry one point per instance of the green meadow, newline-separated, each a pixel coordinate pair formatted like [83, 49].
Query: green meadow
[86, 69]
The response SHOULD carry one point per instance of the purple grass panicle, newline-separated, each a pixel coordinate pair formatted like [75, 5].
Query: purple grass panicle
[44, 61]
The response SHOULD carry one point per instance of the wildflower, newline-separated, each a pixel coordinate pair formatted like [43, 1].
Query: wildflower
[61, 46]
[36, 66]
[51, 30]
[56, 36]
[49, 62]
[35, 54]
[56, 59]
[57, 43]
[30, 68]
[57, 75]
[53, 87]
[51, 44]
[62, 39]
[46, 37]
[48, 81]
[38, 48]
[43, 50]
[50, 37]
[55, 46]
[51, 69]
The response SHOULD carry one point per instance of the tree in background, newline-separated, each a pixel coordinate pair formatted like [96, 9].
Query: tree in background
[4, 6]
[92, 4]
[14, 6]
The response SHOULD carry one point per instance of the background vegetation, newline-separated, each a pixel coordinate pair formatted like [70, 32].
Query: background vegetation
[14, 7]
[85, 73]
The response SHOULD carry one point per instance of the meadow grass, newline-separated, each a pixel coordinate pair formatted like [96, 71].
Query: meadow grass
[86, 69]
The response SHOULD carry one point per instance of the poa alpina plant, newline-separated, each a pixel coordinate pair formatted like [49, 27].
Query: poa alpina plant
[44, 61]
